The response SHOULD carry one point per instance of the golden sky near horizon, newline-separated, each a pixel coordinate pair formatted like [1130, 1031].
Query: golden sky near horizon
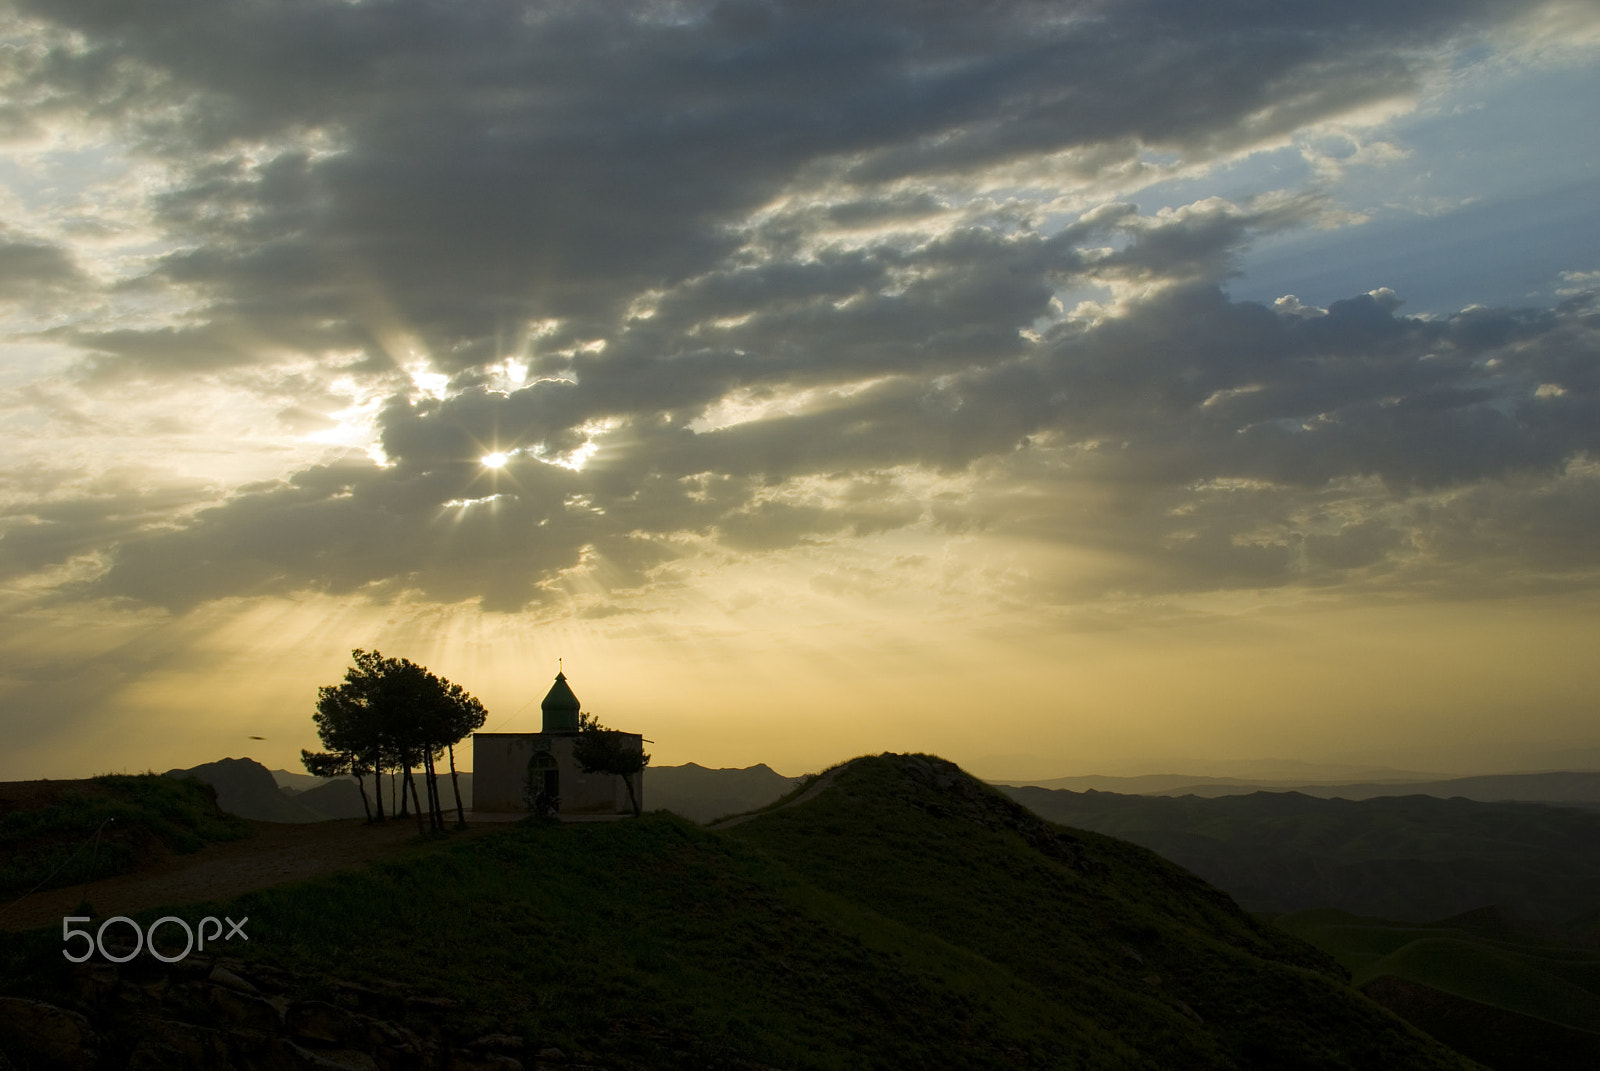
[1060, 388]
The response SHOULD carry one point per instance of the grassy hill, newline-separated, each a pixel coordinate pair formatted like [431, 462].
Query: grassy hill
[1509, 997]
[59, 833]
[904, 915]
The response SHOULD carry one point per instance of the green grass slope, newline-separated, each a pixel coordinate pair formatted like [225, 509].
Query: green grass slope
[1148, 953]
[1361, 944]
[54, 834]
[906, 916]
[1508, 997]
[1529, 984]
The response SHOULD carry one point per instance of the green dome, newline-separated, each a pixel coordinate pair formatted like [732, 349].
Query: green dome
[560, 707]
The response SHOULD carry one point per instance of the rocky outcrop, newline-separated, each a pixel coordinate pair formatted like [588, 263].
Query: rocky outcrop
[220, 1014]
[210, 1015]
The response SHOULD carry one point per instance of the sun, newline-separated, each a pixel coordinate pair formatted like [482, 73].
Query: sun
[495, 460]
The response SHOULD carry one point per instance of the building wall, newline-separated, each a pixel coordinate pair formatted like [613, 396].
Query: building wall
[500, 770]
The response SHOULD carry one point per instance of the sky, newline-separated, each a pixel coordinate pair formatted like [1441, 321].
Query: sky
[1061, 388]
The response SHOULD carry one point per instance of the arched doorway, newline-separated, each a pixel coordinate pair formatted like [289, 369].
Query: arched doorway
[544, 779]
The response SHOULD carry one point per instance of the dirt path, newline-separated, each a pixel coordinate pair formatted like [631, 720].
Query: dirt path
[274, 853]
[811, 793]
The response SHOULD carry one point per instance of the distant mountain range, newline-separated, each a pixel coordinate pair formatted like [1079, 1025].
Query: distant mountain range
[1412, 857]
[701, 794]
[248, 789]
[1415, 858]
[1565, 786]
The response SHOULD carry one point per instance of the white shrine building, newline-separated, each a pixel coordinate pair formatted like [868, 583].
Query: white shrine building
[507, 768]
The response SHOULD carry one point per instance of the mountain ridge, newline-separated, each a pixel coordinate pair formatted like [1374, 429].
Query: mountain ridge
[1550, 786]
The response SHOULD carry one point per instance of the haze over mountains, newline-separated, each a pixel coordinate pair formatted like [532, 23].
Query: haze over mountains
[701, 794]
[248, 789]
[1581, 787]
[1415, 858]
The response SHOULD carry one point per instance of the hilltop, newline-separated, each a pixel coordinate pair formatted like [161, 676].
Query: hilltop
[59, 833]
[896, 913]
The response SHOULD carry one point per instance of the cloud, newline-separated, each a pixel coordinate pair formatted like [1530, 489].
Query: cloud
[736, 279]
[478, 169]
[35, 270]
[1232, 427]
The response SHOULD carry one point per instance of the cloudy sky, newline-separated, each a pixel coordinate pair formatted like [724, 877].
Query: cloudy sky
[1059, 387]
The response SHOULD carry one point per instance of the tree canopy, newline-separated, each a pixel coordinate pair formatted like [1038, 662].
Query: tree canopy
[602, 750]
[392, 714]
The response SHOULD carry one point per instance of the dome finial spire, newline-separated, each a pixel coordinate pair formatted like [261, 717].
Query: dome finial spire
[560, 706]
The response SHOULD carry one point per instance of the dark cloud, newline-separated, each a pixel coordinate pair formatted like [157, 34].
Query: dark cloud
[768, 266]
[33, 269]
[1266, 486]
[487, 165]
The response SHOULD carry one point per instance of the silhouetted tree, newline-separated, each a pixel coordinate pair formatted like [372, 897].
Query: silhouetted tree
[392, 713]
[322, 764]
[602, 750]
[349, 723]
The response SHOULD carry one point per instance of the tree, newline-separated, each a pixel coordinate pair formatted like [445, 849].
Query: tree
[390, 713]
[325, 765]
[348, 724]
[602, 750]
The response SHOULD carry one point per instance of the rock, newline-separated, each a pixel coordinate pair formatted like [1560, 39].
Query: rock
[396, 1044]
[240, 1011]
[430, 1005]
[320, 1021]
[94, 983]
[467, 1061]
[58, 1037]
[327, 1060]
[270, 979]
[206, 1016]
[223, 976]
[168, 1045]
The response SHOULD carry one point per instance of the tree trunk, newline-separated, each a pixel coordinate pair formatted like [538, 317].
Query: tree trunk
[627, 779]
[435, 805]
[377, 787]
[362, 785]
[455, 786]
[411, 782]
